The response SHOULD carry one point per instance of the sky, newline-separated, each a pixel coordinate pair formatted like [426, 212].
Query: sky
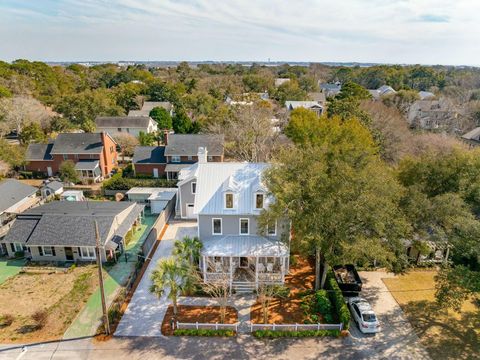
[381, 31]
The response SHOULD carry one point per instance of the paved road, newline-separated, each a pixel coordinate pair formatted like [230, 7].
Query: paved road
[145, 312]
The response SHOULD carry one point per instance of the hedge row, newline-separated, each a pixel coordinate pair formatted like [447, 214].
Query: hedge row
[300, 333]
[336, 297]
[203, 332]
[117, 182]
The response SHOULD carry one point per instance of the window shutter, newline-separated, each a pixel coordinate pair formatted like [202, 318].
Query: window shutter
[12, 247]
[53, 250]
[40, 250]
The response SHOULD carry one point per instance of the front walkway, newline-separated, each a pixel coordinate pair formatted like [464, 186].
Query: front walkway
[145, 311]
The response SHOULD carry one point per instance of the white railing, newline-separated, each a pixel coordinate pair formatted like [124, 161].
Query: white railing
[270, 277]
[209, 276]
[295, 327]
[210, 326]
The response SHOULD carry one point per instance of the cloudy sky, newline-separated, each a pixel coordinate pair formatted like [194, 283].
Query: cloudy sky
[388, 31]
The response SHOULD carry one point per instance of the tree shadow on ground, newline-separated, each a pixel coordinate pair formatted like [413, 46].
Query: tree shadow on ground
[445, 337]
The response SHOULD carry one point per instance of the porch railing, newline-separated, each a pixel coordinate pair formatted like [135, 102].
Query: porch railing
[270, 277]
[209, 326]
[215, 276]
[295, 327]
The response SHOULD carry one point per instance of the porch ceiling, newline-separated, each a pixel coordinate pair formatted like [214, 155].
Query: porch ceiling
[243, 245]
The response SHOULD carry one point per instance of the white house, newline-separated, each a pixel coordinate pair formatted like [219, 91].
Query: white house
[132, 125]
[314, 106]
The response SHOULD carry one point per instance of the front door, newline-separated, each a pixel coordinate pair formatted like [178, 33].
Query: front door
[155, 173]
[49, 171]
[189, 214]
[69, 254]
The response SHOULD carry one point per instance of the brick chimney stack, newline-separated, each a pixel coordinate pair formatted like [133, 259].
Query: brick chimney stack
[165, 137]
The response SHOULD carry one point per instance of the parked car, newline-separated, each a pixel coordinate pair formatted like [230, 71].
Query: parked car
[348, 279]
[363, 315]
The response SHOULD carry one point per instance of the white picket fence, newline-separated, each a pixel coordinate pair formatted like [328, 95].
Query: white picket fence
[295, 327]
[209, 326]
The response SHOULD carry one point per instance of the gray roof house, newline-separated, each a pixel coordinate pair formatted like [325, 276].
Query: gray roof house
[65, 231]
[382, 91]
[330, 89]
[149, 105]
[132, 125]
[314, 106]
[432, 114]
[226, 200]
[149, 155]
[51, 188]
[472, 137]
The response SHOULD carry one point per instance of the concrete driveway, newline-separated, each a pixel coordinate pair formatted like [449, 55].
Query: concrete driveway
[397, 339]
[145, 312]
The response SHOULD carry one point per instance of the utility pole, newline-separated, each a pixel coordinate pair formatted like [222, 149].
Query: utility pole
[100, 280]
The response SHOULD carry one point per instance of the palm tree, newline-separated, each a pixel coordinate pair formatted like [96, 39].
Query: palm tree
[188, 249]
[172, 276]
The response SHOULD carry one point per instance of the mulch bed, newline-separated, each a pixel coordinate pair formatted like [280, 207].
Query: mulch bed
[289, 311]
[202, 314]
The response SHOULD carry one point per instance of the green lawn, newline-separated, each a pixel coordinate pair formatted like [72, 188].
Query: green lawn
[9, 268]
[86, 322]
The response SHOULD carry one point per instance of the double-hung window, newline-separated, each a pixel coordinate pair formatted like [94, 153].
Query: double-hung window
[87, 252]
[272, 228]
[175, 158]
[47, 251]
[216, 226]
[244, 227]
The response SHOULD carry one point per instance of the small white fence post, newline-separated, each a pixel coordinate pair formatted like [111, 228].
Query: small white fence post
[196, 325]
[273, 327]
[216, 326]
[318, 326]
[296, 327]
[341, 326]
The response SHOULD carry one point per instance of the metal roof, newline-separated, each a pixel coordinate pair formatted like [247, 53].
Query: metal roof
[243, 245]
[12, 191]
[149, 155]
[188, 144]
[304, 104]
[123, 121]
[214, 179]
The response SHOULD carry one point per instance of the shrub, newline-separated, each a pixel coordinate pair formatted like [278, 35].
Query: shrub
[301, 333]
[323, 305]
[6, 320]
[19, 254]
[40, 318]
[203, 332]
[338, 302]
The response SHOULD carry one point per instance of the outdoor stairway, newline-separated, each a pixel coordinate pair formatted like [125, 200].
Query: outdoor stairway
[243, 287]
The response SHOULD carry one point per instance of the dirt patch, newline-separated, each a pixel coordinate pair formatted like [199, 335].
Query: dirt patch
[202, 314]
[445, 334]
[59, 295]
[289, 311]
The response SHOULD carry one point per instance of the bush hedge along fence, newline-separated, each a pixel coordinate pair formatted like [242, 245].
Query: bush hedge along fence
[336, 297]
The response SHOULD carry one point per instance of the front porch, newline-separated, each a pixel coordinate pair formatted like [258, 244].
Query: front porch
[244, 261]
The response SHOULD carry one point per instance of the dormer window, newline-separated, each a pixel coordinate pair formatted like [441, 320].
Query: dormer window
[259, 199]
[229, 201]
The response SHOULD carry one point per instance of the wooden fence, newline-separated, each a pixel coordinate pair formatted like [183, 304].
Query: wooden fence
[295, 327]
[208, 326]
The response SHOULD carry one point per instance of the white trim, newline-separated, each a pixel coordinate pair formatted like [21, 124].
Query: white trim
[186, 207]
[240, 226]
[221, 226]
[176, 157]
[191, 187]
[16, 248]
[88, 252]
[255, 200]
[275, 233]
[47, 247]
[225, 200]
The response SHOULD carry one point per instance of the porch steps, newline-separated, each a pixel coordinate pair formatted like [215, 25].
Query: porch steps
[243, 287]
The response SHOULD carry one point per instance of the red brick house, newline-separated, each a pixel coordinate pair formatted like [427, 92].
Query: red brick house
[94, 154]
[180, 151]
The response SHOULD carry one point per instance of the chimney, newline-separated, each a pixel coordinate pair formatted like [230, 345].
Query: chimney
[202, 155]
[165, 137]
[105, 158]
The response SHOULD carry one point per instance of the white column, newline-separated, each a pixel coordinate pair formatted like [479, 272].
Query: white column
[256, 272]
[231, 273]
[205, 268]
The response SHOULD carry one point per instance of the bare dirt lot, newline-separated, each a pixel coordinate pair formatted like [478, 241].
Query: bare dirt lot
[289, 311]
[42, 305]
[445, 334]
[202, 314]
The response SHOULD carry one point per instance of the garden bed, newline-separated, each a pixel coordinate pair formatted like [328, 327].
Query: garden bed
[289, 310]
[201, 314]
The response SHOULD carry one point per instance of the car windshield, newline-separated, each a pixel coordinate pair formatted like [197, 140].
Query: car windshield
[369, 317]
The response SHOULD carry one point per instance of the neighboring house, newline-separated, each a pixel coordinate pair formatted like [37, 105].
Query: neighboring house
[94, 154]
[330, 89]
[155, 198]
[132, 125]
[72, 195]
[472, 137]
[149, 106]
[314, 106]
[424, 95]
[180, 151]
[15, 197]
[318, 97]
[51, 188]
[432, 114]
[382, 91]
[281, 81]
[226, 199]
[62, 231]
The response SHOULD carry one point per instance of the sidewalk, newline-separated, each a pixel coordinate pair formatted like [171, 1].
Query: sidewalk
[145, 312]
